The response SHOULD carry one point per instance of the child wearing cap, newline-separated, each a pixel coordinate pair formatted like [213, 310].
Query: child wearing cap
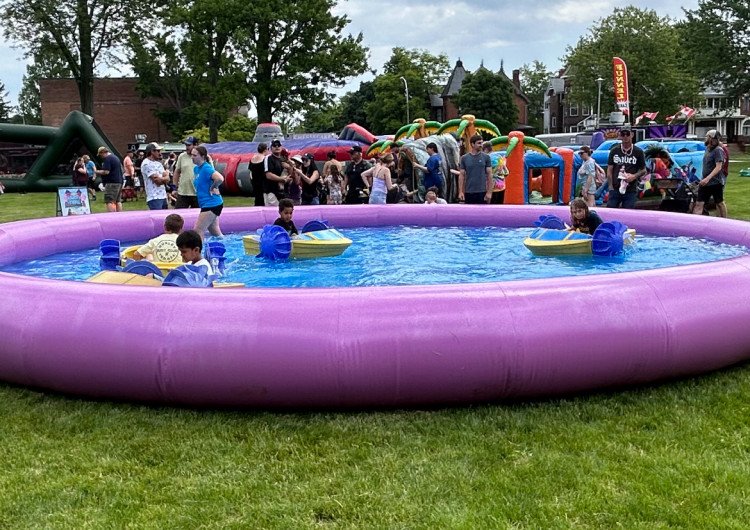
[293, 188]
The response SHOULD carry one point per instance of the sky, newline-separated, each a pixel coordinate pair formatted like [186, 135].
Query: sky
[488, 31]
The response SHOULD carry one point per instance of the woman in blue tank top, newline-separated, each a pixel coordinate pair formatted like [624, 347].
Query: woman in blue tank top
[207, 181]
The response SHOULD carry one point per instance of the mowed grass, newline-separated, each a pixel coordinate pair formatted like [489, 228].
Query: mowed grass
[675, 455]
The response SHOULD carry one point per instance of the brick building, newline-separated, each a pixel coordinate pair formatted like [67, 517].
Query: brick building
[119, 110]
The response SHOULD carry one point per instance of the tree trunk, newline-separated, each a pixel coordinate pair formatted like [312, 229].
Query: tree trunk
[85, 80]
[263, 76]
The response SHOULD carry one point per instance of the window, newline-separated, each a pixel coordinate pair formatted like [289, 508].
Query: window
[554, 121]
[574, 110]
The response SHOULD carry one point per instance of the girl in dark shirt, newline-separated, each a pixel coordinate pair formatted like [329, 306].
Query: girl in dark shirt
[581, 218]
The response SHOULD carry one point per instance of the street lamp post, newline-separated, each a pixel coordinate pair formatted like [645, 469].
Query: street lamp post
[599, 101]
[406, 91]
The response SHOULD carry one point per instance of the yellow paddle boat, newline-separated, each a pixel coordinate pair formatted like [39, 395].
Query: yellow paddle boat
[318, 244]
[164, 266]
[557, 242]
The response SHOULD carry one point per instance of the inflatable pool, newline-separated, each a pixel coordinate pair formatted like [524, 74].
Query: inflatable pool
[368, 346]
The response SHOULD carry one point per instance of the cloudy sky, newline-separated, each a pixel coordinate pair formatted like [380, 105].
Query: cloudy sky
[490, 31]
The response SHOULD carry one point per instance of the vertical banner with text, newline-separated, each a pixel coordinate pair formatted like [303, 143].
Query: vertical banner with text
[620, 74]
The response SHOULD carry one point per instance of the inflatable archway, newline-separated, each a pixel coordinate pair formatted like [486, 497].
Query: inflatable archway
[78, 130]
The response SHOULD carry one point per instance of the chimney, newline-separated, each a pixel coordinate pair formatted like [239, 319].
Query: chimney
[517, 78]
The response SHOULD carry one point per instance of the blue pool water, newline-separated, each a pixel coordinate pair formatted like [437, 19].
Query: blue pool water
[417, 255]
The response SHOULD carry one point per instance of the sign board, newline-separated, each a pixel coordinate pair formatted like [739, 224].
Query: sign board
[73, 200]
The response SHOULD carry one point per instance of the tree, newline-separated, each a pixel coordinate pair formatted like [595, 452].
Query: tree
[239, 129]
[194, 68]
[716, 37]
[488, 96]
[85, 33]
[658, 71]
[424, 74]
[534, 81]
[47, 63]
[323, 118]
[5, 106]
[293, 51]
[354, 105]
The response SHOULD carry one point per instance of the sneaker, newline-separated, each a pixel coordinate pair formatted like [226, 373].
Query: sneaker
[623, 186]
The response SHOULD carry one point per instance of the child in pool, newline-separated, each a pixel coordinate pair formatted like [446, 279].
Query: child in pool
[286, 210]
[190, 244]
[431, 197]
[163, 248]
[581, 219]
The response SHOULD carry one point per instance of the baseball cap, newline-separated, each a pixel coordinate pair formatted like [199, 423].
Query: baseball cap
[101, 150]
[355, 149]
[276, 143]
[297, 159]
[190, 140]
[309, 156]
[153, 146]
[714, 134]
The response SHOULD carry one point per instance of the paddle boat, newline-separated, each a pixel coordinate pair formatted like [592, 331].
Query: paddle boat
[273, 242]
[164, 266]
[553, 238]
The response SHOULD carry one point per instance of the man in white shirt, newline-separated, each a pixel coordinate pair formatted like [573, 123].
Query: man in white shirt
[155, 176]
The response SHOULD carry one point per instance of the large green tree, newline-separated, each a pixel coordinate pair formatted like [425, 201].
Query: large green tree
[293, 52]
[424, 73]
[194, 68]
[716, 36]
[47, 63]
[534, 81]
[488, 96]
[85, 33]
[659, 79]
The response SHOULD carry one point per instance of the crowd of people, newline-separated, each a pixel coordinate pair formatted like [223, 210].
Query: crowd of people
[627, 168]
[190, 180]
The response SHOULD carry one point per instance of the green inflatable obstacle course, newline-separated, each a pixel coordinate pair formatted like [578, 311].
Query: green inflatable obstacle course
[60, 145]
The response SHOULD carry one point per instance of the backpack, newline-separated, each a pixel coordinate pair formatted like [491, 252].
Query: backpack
[725, 168]
[601, 175]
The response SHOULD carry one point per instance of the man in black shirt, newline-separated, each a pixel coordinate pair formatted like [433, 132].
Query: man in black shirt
[277, 173]
[632, 161]
[353, 183]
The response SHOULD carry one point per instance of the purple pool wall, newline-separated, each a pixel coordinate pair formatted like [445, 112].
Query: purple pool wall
[370, 346]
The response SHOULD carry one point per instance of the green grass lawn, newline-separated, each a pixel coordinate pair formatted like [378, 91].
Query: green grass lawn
[675, 455]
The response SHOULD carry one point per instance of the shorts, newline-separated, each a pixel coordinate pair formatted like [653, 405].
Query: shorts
[270, 199]
[474, 198]
[186, 201]
[624, 200]
[112, 192]
[377, 197]
[157, 204]
[714, 190]
[216, 210]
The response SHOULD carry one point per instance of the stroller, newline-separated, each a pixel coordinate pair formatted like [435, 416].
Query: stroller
[681, 190]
